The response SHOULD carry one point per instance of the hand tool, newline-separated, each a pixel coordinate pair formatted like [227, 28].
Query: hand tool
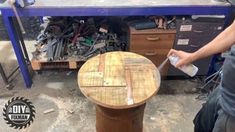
[12, 4]
[20, 3]
[73, 37]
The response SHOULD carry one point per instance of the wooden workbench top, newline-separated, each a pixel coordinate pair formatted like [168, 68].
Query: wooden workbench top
[118, 79]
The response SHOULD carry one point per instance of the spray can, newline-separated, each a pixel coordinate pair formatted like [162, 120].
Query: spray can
[190, 69]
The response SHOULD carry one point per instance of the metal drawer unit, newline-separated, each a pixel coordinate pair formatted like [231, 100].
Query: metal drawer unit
[192, 35]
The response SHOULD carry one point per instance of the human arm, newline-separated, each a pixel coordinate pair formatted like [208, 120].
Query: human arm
[221, 43]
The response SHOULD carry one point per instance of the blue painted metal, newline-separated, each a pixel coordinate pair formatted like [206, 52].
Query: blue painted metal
[100, 11]
[18, 51]
[229, 16]
[131, 11]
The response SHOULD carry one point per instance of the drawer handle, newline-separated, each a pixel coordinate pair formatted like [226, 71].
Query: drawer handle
[197, 31]
[194, 46]
[151, 53]
[153, 38]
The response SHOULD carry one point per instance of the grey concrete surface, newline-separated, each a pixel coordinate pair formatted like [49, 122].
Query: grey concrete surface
[169, 111]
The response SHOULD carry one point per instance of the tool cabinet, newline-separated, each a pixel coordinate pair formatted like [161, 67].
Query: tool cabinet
[192, 35]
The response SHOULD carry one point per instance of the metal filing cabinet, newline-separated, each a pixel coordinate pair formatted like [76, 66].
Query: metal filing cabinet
[192, 35]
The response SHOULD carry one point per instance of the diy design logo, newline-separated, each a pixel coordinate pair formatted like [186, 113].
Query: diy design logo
[19, 112]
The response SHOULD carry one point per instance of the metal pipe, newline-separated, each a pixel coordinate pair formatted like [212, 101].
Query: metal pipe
[8, 84]
[4, 77]
[50, 50]
[11, 3]
[21, 40]
[60, 50]
[13, 72]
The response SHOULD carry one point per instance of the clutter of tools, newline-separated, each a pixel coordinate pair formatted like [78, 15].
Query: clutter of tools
[75, 37]
[31, 26]
[164, 22]
[153, 22]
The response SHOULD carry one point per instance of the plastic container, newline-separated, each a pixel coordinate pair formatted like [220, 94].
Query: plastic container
[190, 69]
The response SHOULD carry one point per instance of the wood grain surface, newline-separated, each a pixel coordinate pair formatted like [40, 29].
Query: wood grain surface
[118, 79]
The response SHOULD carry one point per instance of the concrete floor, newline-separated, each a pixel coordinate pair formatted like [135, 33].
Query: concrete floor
[172, 110]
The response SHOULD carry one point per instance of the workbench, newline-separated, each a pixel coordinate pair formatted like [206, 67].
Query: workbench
[105, 8]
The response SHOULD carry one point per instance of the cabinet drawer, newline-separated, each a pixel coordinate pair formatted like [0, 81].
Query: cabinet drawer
[190, 27]
[157, 56]
[190, 44]
[152, 52]
[197, 34]
[151, 41]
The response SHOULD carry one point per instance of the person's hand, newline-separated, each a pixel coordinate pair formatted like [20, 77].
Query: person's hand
[185, 57]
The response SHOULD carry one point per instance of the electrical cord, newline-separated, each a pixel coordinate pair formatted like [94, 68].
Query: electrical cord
[211, 83]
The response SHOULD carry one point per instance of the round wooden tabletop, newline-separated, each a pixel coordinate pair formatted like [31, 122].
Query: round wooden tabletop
[118, 79]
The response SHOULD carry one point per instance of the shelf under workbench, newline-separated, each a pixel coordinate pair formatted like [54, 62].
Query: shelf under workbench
[105, 8]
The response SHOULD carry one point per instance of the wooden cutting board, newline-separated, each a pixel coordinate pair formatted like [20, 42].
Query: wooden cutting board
[118, 79]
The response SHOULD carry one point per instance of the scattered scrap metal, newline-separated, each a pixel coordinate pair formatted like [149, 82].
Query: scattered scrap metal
[65, 37]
